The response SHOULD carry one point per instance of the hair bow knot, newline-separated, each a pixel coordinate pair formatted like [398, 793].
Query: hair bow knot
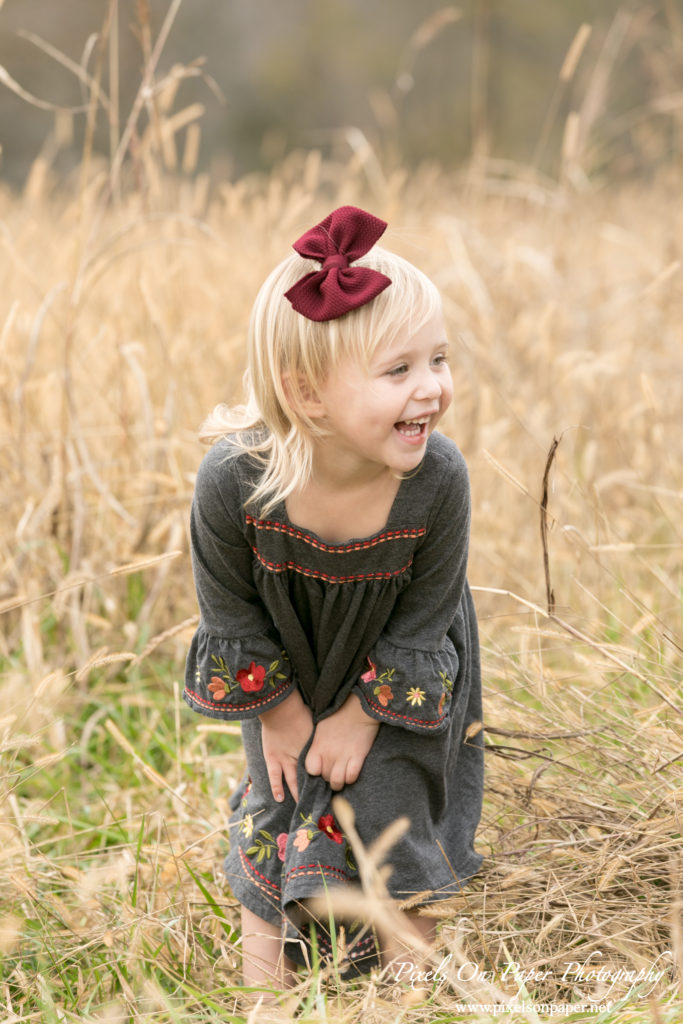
[337, 288]
[338, 259]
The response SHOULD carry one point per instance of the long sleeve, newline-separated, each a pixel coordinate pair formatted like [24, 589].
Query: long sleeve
[420, 662]
[236, 666]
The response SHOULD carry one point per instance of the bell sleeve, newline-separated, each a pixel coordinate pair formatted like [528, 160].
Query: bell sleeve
[236, 667]
[419, 668]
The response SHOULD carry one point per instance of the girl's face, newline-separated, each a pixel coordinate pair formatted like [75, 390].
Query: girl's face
[384, 413]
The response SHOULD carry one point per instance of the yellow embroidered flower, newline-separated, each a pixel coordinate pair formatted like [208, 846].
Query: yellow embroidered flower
[247, 826]
[415, 696]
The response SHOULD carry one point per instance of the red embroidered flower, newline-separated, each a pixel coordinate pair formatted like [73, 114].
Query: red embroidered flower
[371, 674]
[384, 694]
[251, 679]
[217, 687]
[442, 701]
[281, 844]
[329, 826]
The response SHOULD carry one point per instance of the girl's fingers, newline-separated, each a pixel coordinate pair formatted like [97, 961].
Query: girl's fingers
[275, 779]
[337, 779]
[291, 779]
[352, 771]
[313, 763]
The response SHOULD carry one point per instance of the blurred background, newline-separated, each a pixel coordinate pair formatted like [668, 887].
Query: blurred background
[416, 80]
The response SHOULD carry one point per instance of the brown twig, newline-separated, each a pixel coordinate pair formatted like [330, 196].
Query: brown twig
[549, 593]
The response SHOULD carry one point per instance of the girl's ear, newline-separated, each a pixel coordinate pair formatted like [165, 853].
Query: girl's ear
[302, 397]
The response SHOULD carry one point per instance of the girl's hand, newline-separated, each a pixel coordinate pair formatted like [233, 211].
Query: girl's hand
[341, 744]
[285, 730]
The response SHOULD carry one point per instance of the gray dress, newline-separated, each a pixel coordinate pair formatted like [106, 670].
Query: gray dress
[389, 617]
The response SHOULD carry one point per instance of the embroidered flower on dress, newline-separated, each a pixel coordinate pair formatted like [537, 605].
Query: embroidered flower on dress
[301, 840]
[328, 825]
[247, 826]
[217, 688]
[371, 674]
[281, 844]
[415, 696]
[384, 694]
[442, 701]
[245, 794]
[251, 679]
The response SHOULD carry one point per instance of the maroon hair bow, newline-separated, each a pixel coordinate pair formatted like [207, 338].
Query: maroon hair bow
[335, 289]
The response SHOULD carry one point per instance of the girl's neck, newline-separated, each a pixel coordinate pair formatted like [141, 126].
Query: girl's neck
[343, 471]
[343, 501]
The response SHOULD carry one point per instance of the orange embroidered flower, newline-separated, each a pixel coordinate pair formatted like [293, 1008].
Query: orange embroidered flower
[217, 688]
[442, 701]
[251, 679]
[384, 694]
[328, 825]
[301, 840]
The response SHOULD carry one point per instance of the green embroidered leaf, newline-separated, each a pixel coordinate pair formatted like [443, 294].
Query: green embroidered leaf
[266, 835]
[447, 683]
[261, 855]
[280, 675]
[273, 666]
[252, 850]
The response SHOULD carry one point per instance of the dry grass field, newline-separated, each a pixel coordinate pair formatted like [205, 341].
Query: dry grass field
[122, 323]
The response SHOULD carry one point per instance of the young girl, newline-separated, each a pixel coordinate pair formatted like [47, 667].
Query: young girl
[329, 539]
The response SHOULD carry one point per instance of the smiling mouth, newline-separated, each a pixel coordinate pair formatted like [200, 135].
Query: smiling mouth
[413, 429]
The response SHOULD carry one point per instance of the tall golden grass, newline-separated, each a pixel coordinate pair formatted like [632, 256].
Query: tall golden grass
[122, 324]
[123, 311]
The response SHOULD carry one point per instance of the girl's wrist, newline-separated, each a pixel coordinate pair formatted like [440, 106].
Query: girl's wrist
[286, 708]
[354, 706]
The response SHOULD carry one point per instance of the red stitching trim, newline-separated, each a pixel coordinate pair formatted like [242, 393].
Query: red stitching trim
[429, 723]
[356, 948]
[315, 574]
[318, 869]
[247, 706]
[272, 525]
[247, 864]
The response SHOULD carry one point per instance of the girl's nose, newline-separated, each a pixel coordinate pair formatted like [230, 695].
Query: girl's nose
[428, 385]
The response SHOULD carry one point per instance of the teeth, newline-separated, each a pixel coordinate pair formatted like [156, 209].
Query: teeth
[411, 428]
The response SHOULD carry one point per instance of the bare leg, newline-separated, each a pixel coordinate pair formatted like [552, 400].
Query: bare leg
[263, 959]
[401, 962]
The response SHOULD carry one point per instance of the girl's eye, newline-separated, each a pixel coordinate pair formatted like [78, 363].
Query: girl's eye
[441, 359]
[398, 371]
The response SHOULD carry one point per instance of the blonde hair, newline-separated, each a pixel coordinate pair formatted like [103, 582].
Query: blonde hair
[290, 356]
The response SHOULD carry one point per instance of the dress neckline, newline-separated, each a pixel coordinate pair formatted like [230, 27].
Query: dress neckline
[281, 512]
